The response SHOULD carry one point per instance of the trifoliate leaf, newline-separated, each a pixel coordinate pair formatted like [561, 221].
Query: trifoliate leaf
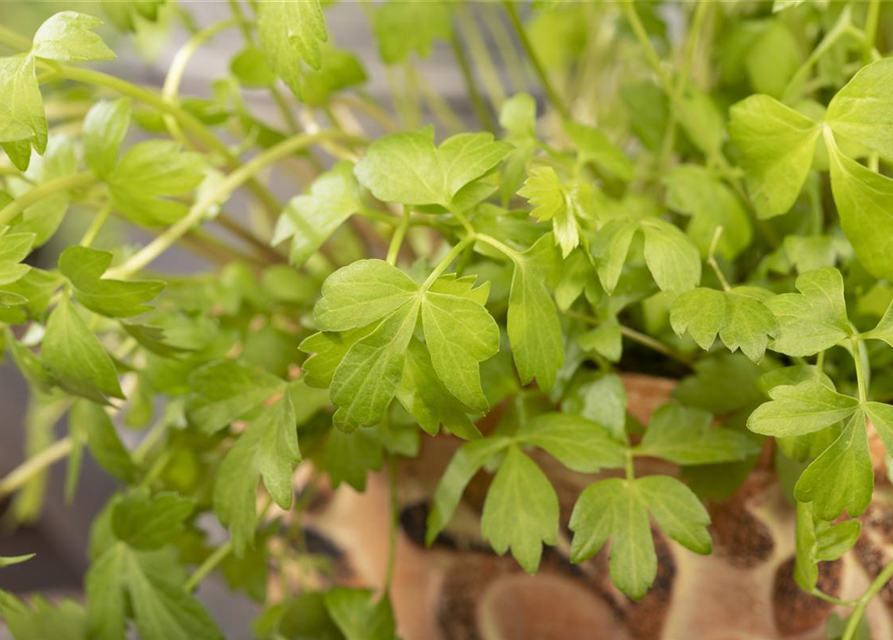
[804, 408]
[113, 298]
[861, 110]
[358, 617]
[594, 146]
[77, 360]
[404, 27]
[148, 174]
[841, 478]
[814, 319]
[521, 510]
[105, 127]
[146, 521]
[618, 509]
[466, 462]
[738, 316]
[268, 450]
[533, 327]
[226, 390]
[67, 37]
[671, 257]
[22, 121]
[362, 293]
[551, 201]
[863, 203]
[684, 436]
[579, 444]
[777, 144]
[310, 219]
[407, 167]
[291, 34]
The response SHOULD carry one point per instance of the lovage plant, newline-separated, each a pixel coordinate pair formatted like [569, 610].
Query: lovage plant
[638, 180]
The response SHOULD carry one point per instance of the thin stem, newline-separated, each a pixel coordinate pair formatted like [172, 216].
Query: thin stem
[852, 626]
[452, 255]
[821, 595]
[397, 238]
[871, 22]
[511, 59]
[842, 27]
[477, 103]
[13, 40]
[20, 476]
[553, 96]
[96, 225]
[463, 220]
[482, 58]
[861, 379]
[38, 193]
[156, 433]
[711, 259]
[222, 191]
[504, 249]
[395, 522]
[629, 466]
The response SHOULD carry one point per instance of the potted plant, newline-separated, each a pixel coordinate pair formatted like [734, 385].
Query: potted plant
[634, 311]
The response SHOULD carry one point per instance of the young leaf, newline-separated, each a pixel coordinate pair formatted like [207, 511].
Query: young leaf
[533, 327]
[91, 419]
[268, 449]
[22, 120]
[14, 247]
[8, 561]
[403, 27]
[861, 110]
[841, 478]
[580, 444]
[551, 201]
[671, 257]
[146, 521]
[521, 510]
[75, 357]
[358, 617]
[291, 33]
[796, 410]
[594, 146]
[407, 168]
[67, 37]
[64, 620]
[610, 248]
[113, 298]
[105, 127]
[684, 436]
[327, 350]
[677, 511]
[819, 541]
[310, 219]
[777, 144]
[814, 319]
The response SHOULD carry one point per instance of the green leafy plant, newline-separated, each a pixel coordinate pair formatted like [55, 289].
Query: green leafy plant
[731, 183]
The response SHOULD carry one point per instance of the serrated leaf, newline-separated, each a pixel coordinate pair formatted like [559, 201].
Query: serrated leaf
[678, 511]
[146, 521]
[579, 444]
[290, 34]
[91, 419]
[226, 390]
[62, 620]
[348, 457]
[77, 360]
[814, 319]
[684, 436]
[67, 37]
[778, 145]
[327, 350]
[520, 511]
[797, 410]
[551, 201]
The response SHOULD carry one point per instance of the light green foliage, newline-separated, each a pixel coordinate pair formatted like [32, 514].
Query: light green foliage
[67, 37]
[358, 617]
[290, 35]
[820, 541]
[405, 27]
[105, 127]
[594, 146]
[22, 121]
[861, 110]
[551, 201]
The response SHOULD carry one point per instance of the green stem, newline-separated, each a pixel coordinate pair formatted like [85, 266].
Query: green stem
[395, 522]
[629, 466]
[98, 221]
[38, 193]
[20, 476]
[711, 259]
[443, 264]
[871, 23]
[510, 57]
[842, 27]
[482, 59]
[504, 249]
[852, 626]
[222, 191]
[13, 40]
[397, 238]
[861, 380]
[477, 103]
[821, 595]
[551, 93]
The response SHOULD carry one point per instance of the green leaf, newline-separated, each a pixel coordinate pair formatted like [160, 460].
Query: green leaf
[358, 617]
[579, 444]
[14, 247]
[533, 327]
[610, 248]
[521, 510]
[347, 457]
[327, 351]
[778, 145]
[22, 119]
[606, 340]
[403, 27]
[362, 293]
[841, 478]
[518, 116]
[407, 168]
[594, 146]
[105, 127]
[601, 400]
[882, 331]
[113, 298]
[146, 521]
[738, 316]
[224, 391]
[684, 436]
[671, 257]
[618, 509]
[44, 217]
[863, 203]
[310, 219]
[64, 620]
[67, 37]
[426, 398]
[460, 334]
[92, 420]
[268, 449]
[250, 68]
[291, 33]
[804, 408]
[340, 70]
[8, 561]
[861, 110]
[76, 358]
[104, 584]
[817, 541]
[466, 462]
[814, 319]
[148, 174]
[551, 201]
[881, 416]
